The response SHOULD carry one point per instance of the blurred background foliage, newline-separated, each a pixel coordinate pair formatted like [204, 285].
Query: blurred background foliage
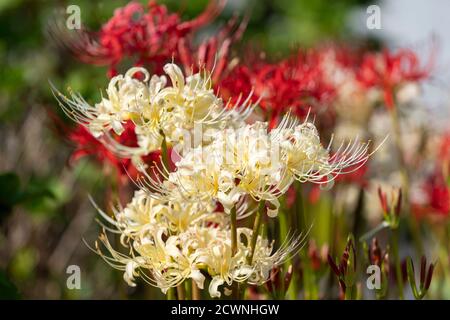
[44, 208]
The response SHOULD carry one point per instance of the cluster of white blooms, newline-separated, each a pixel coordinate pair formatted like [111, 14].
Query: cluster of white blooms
[253, 161]
[159, 110]
[172, 227]
[171, 242]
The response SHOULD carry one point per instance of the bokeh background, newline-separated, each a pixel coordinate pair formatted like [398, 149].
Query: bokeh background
[44, 208]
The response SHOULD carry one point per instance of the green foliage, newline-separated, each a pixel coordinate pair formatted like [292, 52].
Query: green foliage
[8, 290]
[38, 195]
[9, 191]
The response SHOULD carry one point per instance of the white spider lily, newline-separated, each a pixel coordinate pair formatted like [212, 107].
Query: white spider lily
[165, 255]
[252, 161]
[158, 110]
[226, 269]
[145, 214]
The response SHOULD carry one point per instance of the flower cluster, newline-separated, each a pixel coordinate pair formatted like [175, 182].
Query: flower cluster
[252, 161]
[297, 83]
[170, 242]
[149, 35]
[158, 110]
[173, 227]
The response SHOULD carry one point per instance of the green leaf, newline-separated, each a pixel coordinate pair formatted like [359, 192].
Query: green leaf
[9, 191]
[412, 277]
[8, 290]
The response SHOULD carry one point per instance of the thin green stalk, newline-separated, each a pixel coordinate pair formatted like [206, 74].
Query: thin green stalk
[256, 227]
[171, 294]
[294, 221]
[188, 289]
[164, 151]
[413, 226]
[233, 218]
[399, 147]
[300, 214]
[398, 267]
[349, 293]
[195, 291]
[284, 229]
[181, 292]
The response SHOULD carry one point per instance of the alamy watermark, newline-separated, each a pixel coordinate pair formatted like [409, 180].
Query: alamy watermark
[73, 281]
[73, 21]
[373, 282]
[374, 17]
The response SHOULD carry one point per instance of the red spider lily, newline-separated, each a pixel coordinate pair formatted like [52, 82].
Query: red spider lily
[88, 145]
[358, 177]
[85, 144]
[296, 83]
[212, 54]
[343, 55]
[387, 71]
[147, 34]
[438, 195]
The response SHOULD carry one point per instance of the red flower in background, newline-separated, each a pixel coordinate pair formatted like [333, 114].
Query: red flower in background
[436, 188]
[437, 198]
[87, 145]
[438, 194]
[146, 34]
[296, 83]
[213, 53]
[358, 178]
[387, 70]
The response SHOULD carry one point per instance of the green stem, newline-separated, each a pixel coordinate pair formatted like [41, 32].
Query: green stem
[233, 218]
[284, 229]
[195, 291]
[398, 267]
[188, 288]
[349, 293]
[413, 226]
[180, 292]
[301, 219]
[399, 147]
[171, 294]
[164, 151]
[256, 227]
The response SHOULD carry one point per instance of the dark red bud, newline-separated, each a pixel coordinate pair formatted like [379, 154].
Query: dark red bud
[375, 252]
[429, 276]
[314, 256]
[383, 201]
[423, 266]
[398, 207]
[333, 265]
[288, 277]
